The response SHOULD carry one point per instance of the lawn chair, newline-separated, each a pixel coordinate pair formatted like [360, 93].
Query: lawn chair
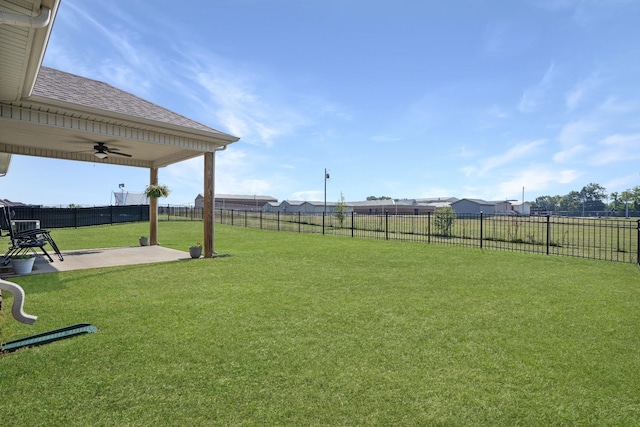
[26, 241]
[34, 233]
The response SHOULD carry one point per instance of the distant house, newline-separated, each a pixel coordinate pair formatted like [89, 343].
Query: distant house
[476, 206]
[394, 207]
[523, 209]
[299, 206]
[437, 202]
[368, 207]
[234, 201]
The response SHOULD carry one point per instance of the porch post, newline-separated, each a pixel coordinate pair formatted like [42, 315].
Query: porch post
[208, 215]
[153, 209]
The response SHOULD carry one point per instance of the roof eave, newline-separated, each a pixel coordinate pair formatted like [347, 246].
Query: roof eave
[37, 50]
[218, 138]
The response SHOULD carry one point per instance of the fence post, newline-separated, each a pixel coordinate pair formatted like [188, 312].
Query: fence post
[548, 233]
[299, 222]
[481, 235]
[278, 220]
[386, 225]
[638, 249]
[260, 220]
[352, 222]
[323, 213]
[429, 227]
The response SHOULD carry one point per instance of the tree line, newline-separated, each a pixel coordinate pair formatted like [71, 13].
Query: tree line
[592, 198]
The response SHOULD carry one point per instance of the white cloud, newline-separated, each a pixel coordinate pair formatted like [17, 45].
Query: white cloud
[614, 106]
[534, 97]
[241, 100]
[618, 148]
[570, 154]
[517, 152]
[577, 95]
[574, 133]
[537, 179]
[574, 139]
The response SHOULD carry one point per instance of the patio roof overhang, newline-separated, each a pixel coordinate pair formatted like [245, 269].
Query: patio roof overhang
[49, 113]
[46, 128]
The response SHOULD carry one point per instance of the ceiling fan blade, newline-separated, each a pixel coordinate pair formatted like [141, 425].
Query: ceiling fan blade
[117, 153]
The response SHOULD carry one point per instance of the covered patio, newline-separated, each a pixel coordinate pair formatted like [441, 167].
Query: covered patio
[104, 257]
[49, 113]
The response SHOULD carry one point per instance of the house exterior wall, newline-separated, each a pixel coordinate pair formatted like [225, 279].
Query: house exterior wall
[523, 209]
[236, 202]
[503, 208]
[466, 206]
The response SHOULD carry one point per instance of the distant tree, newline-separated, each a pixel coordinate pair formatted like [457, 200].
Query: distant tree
[379, 198]
[73, 206]
[616, 204]
[340, 209]
[443, 220]
[571, 202]
[592, 197]
[632, 197]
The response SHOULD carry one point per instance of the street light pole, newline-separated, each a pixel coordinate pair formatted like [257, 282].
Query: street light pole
[324, 213]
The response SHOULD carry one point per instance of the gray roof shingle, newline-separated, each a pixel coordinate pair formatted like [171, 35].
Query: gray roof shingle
[66, 87]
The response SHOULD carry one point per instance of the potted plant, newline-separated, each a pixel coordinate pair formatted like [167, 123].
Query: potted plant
[144, 241]
[155, 191]
[22, 264]
[196, 250]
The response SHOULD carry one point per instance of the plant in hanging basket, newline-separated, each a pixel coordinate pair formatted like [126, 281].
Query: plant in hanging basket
[154, 191]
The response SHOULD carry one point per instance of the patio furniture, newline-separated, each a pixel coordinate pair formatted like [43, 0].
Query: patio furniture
[26, 241]
[34, 233]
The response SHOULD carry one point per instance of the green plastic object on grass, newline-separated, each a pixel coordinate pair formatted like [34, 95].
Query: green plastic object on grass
[47, 337]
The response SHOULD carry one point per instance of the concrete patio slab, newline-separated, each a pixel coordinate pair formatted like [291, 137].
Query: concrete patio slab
[96, 258]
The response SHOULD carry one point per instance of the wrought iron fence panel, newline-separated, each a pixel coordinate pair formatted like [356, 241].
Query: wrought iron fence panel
[606, 238]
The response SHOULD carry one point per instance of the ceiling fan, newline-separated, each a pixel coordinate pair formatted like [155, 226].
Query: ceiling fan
[102, 151]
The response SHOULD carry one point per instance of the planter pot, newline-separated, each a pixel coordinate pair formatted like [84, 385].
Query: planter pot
[195, 251]
[144, 241]
[22, 265]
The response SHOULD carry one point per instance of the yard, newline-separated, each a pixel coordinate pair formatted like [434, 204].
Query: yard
[306, 329]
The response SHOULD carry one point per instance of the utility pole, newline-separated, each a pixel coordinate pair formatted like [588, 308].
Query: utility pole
[324, 213]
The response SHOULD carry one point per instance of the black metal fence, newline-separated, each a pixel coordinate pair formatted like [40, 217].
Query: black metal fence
[606, 238]
[80, 217]
[612, 239]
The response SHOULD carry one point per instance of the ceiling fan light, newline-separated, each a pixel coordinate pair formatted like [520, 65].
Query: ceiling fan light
[100, 155]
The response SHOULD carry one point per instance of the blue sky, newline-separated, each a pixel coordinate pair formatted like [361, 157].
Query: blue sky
[402, 98]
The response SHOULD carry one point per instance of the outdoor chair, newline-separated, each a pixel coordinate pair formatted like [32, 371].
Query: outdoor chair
[26, 241]
[36, 234]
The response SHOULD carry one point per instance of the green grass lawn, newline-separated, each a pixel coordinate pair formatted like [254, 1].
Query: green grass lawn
[303, 330]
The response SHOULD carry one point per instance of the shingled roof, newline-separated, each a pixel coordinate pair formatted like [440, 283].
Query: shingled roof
[59, 85]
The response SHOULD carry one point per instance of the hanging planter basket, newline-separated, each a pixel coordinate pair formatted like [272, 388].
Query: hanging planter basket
[156, 191]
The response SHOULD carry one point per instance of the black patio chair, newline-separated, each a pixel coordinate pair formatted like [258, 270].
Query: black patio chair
[26, 241]
[36, 234]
